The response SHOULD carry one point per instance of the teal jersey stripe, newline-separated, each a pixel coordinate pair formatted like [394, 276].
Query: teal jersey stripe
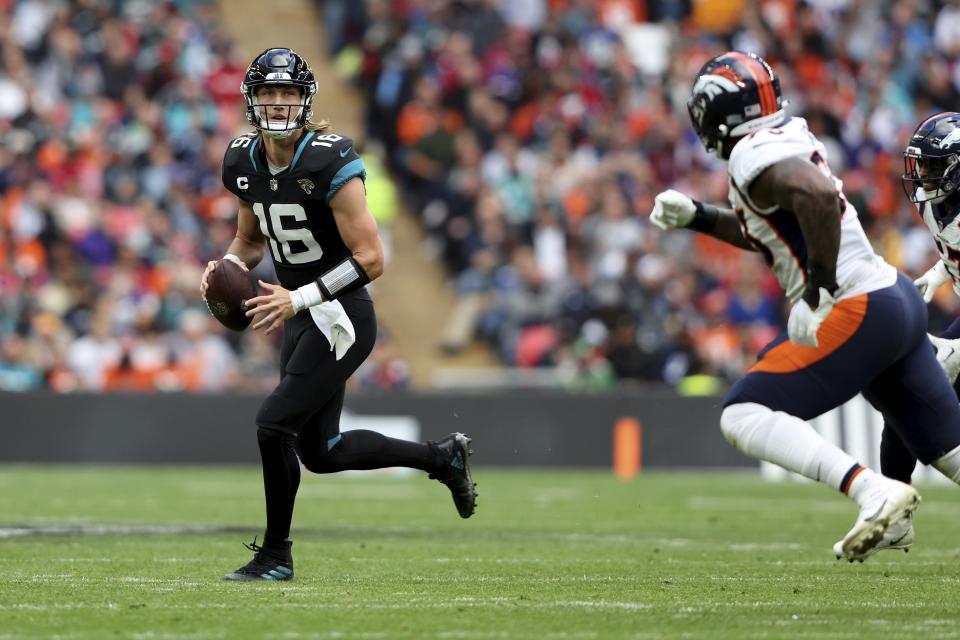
[300, 149]
[252, 147]
[347, 172]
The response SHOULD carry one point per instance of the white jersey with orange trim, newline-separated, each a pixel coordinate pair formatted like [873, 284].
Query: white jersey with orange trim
[946, 237]
[775, 232]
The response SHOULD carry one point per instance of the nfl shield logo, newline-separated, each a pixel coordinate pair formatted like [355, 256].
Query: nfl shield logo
[273, 184]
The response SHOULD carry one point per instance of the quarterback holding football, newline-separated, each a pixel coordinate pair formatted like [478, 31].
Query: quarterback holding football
[300, 193]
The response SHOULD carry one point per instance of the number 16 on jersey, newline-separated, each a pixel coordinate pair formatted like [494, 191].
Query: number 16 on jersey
[290, 245]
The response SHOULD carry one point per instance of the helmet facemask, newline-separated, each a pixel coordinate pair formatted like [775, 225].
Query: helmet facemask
[708, 133]
[929, 178]
[278, 119]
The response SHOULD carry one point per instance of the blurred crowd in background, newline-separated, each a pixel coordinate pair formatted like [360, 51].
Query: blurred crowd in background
[529, 137]
[532, 137]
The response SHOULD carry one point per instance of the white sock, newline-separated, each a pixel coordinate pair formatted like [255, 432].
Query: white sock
[785, 440]
[862, 482]
[949, 464]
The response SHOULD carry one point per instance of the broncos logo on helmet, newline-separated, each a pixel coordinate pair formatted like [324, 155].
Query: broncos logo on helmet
[931, 160]
[279, 66]
[734, 94]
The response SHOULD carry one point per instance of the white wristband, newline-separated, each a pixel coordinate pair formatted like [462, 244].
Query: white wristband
[296, 301]
[230, 256]
[306, 296]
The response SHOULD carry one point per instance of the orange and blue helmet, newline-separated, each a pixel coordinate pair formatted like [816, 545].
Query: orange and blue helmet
[734, 94]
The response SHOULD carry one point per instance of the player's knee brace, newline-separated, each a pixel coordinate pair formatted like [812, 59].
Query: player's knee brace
[741, 423]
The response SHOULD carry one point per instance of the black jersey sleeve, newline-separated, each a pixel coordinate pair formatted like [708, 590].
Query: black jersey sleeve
[237, 164]
[343, 165]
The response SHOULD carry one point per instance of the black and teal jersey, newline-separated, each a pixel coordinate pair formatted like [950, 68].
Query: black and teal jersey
[293, 206]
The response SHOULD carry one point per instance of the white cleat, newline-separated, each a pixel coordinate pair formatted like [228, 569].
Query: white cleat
[887, 503]
[948, 355]
[899, 535]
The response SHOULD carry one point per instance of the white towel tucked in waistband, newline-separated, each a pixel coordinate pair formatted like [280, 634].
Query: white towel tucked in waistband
[332, 320]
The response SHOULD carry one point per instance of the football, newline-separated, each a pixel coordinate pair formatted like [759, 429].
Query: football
[228, 288]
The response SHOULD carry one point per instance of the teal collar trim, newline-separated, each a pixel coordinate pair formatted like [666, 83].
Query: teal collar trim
[253, 146]
[300, 149]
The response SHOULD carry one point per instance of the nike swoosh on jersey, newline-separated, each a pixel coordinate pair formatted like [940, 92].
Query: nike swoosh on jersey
[343, 154]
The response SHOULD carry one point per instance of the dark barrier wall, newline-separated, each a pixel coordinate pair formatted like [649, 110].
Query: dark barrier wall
[543, 429]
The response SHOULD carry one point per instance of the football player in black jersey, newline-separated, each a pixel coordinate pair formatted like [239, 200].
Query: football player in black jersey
[300, 192]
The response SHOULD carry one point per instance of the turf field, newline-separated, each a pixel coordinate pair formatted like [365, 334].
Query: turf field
[548, 555]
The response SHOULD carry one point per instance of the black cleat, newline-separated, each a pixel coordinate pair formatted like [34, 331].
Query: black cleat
[267, 564]
[455, 449]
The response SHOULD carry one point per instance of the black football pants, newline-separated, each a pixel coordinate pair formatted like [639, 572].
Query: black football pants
[301, 417]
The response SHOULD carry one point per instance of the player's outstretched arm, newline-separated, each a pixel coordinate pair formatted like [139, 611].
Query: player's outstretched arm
[798, 186]
[357, 227]
[673, 209]
[247, 247]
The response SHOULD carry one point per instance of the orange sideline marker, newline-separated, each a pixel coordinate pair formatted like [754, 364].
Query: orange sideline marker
[627, 447]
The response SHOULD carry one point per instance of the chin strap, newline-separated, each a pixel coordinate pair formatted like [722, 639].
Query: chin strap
[278, 135]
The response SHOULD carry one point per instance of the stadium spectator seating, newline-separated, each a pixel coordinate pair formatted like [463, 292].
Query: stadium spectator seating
[532, 137]
[529, 137]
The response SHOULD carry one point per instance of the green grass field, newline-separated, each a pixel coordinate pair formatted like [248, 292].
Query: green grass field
[548, 555]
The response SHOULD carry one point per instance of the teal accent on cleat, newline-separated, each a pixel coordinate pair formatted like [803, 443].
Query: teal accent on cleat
[279, 573]
[454, 452]
[268, 564]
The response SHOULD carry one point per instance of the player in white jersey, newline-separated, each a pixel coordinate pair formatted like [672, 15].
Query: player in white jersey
[858, 269]
[931, 180]
[856, 325]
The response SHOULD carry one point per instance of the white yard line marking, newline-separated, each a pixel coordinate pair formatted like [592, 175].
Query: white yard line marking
[107, 529]
[114, 529]
[773, 546]
[423, 603]
[602, 604]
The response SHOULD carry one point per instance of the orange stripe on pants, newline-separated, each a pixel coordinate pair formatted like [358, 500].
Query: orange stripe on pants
[843, 321]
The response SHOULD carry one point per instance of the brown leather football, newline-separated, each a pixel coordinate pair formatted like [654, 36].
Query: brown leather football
[228, 287]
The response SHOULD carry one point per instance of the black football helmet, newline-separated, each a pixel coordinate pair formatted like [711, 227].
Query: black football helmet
[931, 161]
[280, 66]
[734, 94]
